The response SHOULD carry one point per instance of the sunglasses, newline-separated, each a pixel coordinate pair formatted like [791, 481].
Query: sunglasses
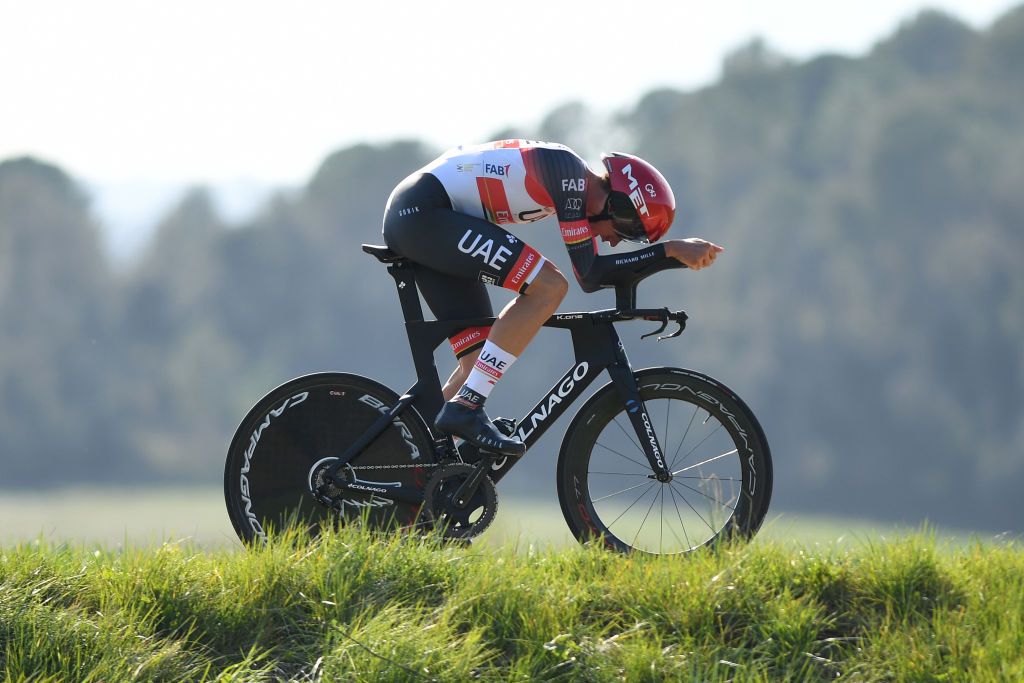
[619, 209]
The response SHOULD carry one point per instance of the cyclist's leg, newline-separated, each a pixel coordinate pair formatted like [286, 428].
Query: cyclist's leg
[517, 324]
[523, 317]
[420, 225]
[410, 228]
[452, 298]
[433, 235]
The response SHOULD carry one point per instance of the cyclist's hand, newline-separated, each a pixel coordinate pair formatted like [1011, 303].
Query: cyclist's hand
[694, 252]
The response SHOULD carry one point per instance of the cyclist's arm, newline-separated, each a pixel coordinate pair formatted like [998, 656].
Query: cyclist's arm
[560, 175]
[591, 268]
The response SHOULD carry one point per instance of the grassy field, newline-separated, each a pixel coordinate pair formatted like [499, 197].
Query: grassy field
[116, 516]
[352, 606]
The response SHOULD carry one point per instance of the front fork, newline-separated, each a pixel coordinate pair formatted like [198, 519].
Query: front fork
[625, 382]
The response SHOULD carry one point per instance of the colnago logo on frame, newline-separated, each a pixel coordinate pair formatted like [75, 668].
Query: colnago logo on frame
[651, 440]
[553, 399]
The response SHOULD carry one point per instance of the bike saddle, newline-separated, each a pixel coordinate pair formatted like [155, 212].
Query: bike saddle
[382, 254]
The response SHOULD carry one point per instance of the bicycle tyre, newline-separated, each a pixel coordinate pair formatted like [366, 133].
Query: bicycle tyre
[600, 453]
[296, 430]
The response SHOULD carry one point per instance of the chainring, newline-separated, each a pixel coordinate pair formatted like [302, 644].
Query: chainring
[455, 522]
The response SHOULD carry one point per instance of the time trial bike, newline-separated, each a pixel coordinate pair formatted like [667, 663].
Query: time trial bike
[660, 460]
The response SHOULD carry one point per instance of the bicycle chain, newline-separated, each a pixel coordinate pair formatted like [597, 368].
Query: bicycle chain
[399, 467]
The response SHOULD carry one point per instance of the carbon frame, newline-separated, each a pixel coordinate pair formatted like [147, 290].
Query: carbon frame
[596, 346]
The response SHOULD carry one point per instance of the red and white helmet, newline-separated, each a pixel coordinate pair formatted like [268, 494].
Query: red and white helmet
[640, 205]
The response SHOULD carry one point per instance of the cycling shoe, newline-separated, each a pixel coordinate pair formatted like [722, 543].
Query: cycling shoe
[470, 454]
[473, 425]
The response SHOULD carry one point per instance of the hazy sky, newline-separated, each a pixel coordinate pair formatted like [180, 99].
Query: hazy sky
[216, 90]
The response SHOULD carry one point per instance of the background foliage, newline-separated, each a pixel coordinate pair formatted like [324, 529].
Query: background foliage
[869, 306]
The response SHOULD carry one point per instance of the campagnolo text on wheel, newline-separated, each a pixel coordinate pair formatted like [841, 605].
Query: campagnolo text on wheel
[660, 460]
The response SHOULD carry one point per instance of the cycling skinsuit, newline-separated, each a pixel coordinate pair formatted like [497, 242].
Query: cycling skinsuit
[448, 218]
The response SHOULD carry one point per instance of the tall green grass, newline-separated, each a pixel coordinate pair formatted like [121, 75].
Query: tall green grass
[354, 606]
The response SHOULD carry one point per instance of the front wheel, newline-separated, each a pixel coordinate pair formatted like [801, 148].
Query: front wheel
[714, 447]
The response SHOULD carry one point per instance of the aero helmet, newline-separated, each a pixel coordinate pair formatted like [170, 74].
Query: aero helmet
[640, 204]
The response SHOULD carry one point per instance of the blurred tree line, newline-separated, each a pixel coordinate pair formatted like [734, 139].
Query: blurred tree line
[869, 306]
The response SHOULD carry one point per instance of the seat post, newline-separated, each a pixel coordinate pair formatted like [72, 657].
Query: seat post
[427, 390]
[408, 296]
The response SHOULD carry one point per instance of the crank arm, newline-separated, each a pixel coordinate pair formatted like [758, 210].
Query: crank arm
[467, 490]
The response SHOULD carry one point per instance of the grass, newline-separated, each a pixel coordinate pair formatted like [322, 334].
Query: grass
[354, 606]
[113, 517]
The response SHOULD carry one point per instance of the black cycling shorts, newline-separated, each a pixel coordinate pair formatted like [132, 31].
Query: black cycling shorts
[458, 254]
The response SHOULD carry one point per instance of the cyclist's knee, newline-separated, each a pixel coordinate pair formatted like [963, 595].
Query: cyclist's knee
[549, 284]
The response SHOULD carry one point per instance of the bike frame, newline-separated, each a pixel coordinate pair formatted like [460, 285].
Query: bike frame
[596, 346]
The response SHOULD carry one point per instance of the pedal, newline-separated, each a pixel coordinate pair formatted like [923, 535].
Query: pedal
[505, 425]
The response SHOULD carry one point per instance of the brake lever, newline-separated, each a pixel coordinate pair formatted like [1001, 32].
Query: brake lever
[663, 315]
[679, 317]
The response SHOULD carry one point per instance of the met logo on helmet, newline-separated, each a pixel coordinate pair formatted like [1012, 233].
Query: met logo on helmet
[635, 195]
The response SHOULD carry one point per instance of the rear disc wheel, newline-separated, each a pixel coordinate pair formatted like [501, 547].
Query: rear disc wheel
[282, 449]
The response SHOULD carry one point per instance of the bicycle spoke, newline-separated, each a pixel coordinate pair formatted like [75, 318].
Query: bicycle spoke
[661, 537]
[697, 513]
[617, 492]
[713, 432]
[644, 465]
[680, 446]
[689, 544]
[692, 477]
[655, 498]
[719, 502]
[631, 474]
[628, 435]
[630, 505]
[723, 455]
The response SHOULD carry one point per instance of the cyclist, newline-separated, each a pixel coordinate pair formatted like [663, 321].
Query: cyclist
[449, 217]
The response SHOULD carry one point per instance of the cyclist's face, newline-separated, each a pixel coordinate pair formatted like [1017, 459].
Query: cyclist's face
[597, 196]
[606, 232]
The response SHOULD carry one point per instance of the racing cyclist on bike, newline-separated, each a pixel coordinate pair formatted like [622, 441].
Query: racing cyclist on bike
[448, 218]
